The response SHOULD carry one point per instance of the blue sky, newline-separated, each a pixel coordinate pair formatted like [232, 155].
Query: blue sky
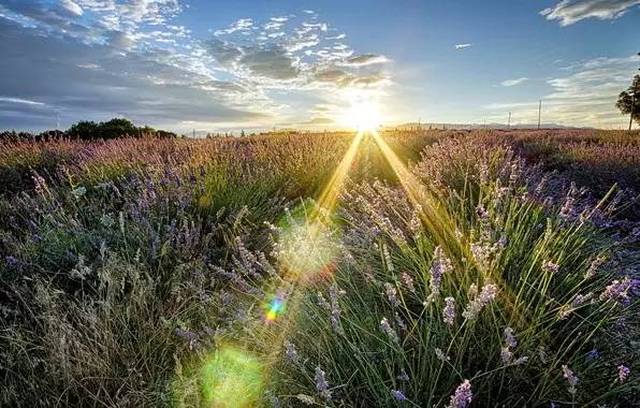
[218, 65]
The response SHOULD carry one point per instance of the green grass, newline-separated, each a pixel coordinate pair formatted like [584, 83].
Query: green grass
[140, 272]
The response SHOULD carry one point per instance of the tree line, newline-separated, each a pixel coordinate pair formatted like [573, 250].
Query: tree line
[90, 130]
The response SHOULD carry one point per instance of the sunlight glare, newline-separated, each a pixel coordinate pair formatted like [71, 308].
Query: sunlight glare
[364, 115]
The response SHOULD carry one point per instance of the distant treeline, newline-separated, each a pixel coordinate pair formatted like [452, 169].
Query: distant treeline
[89, 130]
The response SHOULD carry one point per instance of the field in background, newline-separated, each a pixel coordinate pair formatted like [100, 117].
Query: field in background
[499, 267]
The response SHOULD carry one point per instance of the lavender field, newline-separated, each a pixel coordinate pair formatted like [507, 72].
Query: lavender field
[402, 268]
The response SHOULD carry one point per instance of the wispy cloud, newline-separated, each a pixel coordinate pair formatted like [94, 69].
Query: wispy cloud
[514, 82]
[586, 96]
[130, 58]
[462, 46]
[568, 12]
[20, 101]
[364, 60]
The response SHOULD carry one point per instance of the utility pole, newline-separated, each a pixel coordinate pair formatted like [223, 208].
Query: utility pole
[509, 121]
[539, 112]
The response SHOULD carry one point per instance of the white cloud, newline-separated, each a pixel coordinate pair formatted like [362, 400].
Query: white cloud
[568, 12]
[127, 56]
[365, 59]
[514, 82]
[243, 24]
[584, 97]
[463, 46]
[88, 66]
[72, 7]
[20, 101]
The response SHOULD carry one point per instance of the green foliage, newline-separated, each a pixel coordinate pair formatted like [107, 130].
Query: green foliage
[629, 100]
[117, 127]
[135, 272]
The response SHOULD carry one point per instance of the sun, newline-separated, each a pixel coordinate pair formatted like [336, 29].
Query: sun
[364, 115]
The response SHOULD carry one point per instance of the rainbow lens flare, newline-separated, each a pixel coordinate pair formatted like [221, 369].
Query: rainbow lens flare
[275, 307]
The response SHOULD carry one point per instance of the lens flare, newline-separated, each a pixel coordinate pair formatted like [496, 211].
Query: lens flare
[275, 307]
[231, 378]
[329, 197]
[306, 250]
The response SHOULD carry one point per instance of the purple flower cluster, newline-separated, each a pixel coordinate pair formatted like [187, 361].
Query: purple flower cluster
[322, 386]
[619, 290]
[506, 352]
[510, 338]
[439, 267]
[291, 352]
[623, 373]
[572, 379]
[407, 280]
[449, 311]
[550, 267]
[388, 330]
[462, 397]
[398, 395]
[392, 294]
[476, 304]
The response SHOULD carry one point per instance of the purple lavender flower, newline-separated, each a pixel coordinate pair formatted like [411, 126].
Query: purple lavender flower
[407, 280]
[449, 311]
[291, 352]
[403, 376]
[440, 266]
[440, 355]
[190, 337]
[388, 330]
[486, 296]
[462, 396]
[510, 338]
[322, 386]
[593, 267]
[623, 373]
[506, 355]
[568, 210]
[11, 260]
[579, 299]
[550, 267]
[334, 294]
[618, 290]
[392, 294]
[482, 213]
[572, 379]
[592, 355]
[398, 395]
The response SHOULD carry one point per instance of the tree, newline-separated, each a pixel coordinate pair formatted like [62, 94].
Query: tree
[629, 101]
[117, 127]
[83, 130]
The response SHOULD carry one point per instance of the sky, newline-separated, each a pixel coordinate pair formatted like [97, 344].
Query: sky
[219, 65]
